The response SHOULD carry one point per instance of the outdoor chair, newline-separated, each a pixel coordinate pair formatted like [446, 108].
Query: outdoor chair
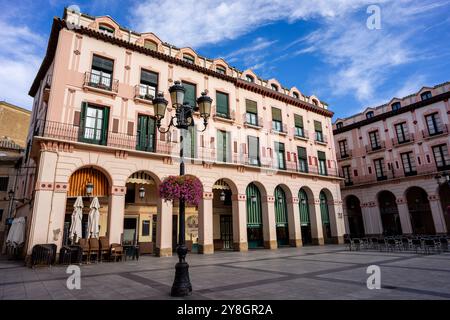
[374, 243]
[348, 242]
[382, 244]
[416, 244]
[431, 245]
[444, 244]
[365, 243]
[116, 252]
[406, 244]
[84, 245]
[94, 248]
[393, 244]
[356, 243]
[104, 248]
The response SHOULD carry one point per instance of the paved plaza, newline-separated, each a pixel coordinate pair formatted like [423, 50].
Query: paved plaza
[328, 272]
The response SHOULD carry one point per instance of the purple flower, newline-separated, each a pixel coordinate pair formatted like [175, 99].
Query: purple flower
[187, 188]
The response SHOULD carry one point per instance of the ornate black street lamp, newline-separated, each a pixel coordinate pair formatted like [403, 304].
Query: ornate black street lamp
[182, 120]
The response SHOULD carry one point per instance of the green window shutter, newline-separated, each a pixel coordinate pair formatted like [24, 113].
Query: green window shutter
[228, 147]
[301, 152]
[149, 78]
[251, 106]
[280, 208]
[321, 155]
[254, 209]
[276, 114]
[298, 119]
[222, 107]
[102, 64]
[304, 208]
[190, 93]
[82, 120]
[317, 126]
[324, 209]
[105, 125]
[221, 141]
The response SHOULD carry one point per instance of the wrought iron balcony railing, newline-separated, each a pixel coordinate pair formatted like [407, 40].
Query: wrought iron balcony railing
[101, 80]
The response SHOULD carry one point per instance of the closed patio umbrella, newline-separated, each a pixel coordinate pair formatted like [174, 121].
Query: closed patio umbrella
[93, 221]
[75, 231]
[16, 235]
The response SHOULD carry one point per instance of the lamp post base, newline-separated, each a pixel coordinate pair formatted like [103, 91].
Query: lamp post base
[182, 284]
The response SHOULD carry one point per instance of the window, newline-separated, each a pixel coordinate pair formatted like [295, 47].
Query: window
[434, 124]
[395, 106]
[379, 169]
[409, 165]
[188, 58]
[249, 78]
[402, 132]
[318, 131]
[146, 133]
[441, 157]
[339, 125]
[149, 85]
[145, 228]
[253, 150]
[322, 163]
[1, 215]
[223, 146]
[94, 124]
[101, 73]
[296, 95]
[149, 44]
[302, 159]
[251, 117]
[221, 70]
[277, 124]
[106, 29]
[347, 176]
[4, 183]
[369, 115]
[130, 196]
[375, 140]
[222, 107]
[343, 148]
[274, 87]
[426, 95]
[190, 93]
[279, 150]
[298, 121]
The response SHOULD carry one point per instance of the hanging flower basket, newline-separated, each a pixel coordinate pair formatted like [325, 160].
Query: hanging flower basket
[187, 188]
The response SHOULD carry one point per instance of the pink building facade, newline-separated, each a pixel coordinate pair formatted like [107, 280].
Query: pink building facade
[267, 159]
[389, 157]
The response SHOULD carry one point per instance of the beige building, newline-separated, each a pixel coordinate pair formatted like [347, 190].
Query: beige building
[390, 157]
[14, 123]
[266, 160]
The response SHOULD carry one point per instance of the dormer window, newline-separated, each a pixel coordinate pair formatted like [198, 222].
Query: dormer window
[339, 125]
[106, 29]
[369, 115]
[188, 58]
[395, 106]
[426, 95]
[149, 44]
[315, 102]
[274, 87]
[295, 95]
[221, 70]
[249, 78]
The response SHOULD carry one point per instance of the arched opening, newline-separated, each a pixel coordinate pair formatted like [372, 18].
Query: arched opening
[255, 237]
[390, 218]
[325, 215]
[140, 220]
[281, 217]
[222, 215]
[305, 218]
[420, 211]
[444, 195]
[87, 183]
[354, 217]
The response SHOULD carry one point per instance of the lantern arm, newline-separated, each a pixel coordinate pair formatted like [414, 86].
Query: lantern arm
[158, 125]
[205, 125]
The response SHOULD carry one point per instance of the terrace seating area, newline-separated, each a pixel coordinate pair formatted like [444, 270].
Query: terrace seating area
[423, 244]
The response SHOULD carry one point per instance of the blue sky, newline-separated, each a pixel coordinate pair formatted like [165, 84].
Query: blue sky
[322, 47]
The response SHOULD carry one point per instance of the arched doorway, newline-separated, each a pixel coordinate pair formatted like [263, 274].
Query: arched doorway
[420, 211]
[222, 215]
[354, 216]
[325, 215]
[305, 219]
[390, 217]
[87, 182]
[444, 195]
[281, 217]
[255, 235]
[140, 220]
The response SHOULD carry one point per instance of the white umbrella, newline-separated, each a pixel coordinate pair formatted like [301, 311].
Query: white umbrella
[75, 231]
[16, 235]
[94, 216]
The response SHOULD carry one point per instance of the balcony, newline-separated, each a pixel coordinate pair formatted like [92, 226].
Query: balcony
[224, 117]
[280, 128]
[372, 148]
[252, 121]
[397, 142]
[320, 138]
[144, 93]
[344, 156]
[300, 133]
[442, 130]
[101, 82]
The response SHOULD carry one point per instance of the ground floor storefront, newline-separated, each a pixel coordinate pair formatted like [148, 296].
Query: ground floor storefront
[242, 207]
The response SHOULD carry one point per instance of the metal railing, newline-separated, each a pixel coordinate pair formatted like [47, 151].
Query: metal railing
[145, 92]
[319, 137]
[300, 133]
[231, 115]
[342, 156]
[101, 81]
[256, 121]
[443, 129]
[406, 139]
[381, 145]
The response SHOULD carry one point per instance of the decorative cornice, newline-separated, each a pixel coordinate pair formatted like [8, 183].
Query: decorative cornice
[61, 187]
